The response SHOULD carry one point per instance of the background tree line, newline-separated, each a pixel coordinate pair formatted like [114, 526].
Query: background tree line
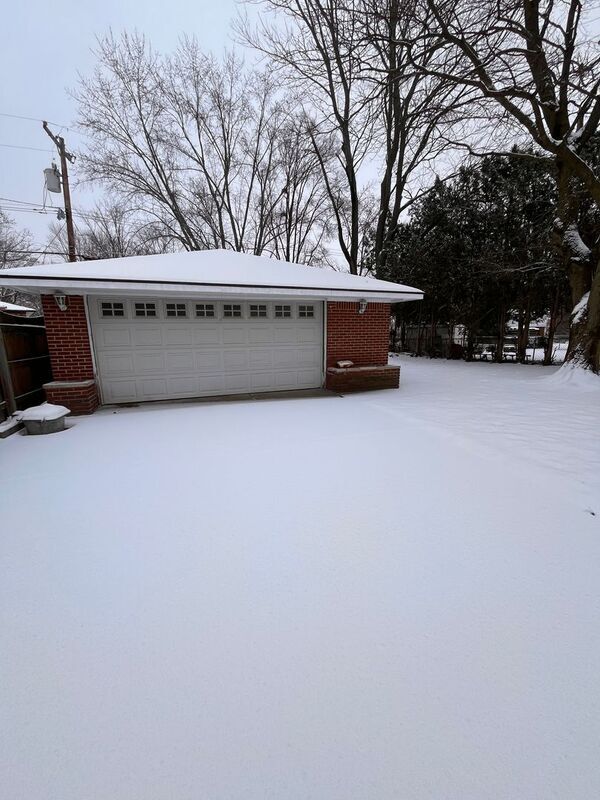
[480, 247]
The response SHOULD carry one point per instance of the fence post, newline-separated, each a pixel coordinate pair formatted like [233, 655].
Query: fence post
[5, 379]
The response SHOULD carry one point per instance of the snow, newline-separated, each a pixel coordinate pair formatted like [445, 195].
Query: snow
[222, 268]
[8, 425]
[380, 596]
[576, 376]
[10, 307]
[580, 309]
[43, 412]
[575, 243]
[559, 352]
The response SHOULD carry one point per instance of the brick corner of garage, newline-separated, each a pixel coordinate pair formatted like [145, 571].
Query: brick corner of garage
[360, 379]
[80, 397]
[360, 338]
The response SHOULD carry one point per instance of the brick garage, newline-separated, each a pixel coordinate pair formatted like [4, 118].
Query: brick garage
[362, 338]
[208, 323]
[74, 384]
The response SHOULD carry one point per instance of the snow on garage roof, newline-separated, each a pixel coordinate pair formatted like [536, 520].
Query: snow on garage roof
[5, 306]
[204, 271]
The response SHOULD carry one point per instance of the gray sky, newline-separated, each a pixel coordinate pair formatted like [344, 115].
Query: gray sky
[45, 44]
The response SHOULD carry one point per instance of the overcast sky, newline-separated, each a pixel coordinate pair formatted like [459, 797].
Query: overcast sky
[45, 43]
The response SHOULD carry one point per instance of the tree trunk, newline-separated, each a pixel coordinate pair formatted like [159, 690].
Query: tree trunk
[500, 334]
[524, 322]
[584, 340]
[420, 339]
[592, 345]
[391, 120]
[552, 325]
[432, 335]
[584, 337]
[394, 332]
[470, 345]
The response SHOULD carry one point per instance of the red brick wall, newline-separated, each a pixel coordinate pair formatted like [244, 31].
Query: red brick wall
[70, 349]
[362, 338]
[68, 339]
[353, 380]
[79, 398]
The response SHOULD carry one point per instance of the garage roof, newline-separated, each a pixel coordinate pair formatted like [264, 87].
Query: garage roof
[6, 306]
[203, 272]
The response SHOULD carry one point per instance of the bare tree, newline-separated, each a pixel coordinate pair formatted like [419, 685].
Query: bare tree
[122, 110]
[195, 145]
[366, 106]
[414, 111]
[300, 227]
[16, 244]
[321, 47]
[114, 230]
[16, 250]
[531, 61]
[225, 129]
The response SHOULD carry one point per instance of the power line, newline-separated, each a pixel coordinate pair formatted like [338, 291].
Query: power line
[50, 210]
[50, 253]
[25, 147]
[21, 202]
[32, 119]
[26, 210]
[52, 240]
[29, 210]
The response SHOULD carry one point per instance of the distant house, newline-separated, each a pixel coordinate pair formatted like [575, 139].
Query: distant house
[537, 327]
[208, 323]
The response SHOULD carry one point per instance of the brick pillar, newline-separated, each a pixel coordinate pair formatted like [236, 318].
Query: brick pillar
[74, 384]
[364, 340]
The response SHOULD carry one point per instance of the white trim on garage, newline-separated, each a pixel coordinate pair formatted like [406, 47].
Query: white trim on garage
[88, 324]
[158, 357]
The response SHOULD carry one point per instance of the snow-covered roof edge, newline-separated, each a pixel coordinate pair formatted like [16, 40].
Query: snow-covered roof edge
[204, 272]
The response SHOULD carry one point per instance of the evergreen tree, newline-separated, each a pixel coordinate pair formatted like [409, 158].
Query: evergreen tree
[480, 247]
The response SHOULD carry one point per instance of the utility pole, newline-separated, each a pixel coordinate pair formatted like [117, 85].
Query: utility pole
[64, 157]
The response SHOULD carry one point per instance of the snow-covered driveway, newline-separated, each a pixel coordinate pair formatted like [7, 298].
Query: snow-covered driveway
[387, 596]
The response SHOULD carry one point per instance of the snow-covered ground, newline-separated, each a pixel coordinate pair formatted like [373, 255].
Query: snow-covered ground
[559, 351]
[376, 597]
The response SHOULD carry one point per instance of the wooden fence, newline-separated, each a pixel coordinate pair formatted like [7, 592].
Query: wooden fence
[24, 362]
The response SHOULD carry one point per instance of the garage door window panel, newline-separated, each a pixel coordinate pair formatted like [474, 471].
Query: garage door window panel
[306, 312]
[110, 309]
[205, 310]
[145, 310]
[283, 312]
[176, 310]
[258, 311]
[232, 311]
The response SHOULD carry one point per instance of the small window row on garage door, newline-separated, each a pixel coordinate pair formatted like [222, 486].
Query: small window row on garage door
[204, 309]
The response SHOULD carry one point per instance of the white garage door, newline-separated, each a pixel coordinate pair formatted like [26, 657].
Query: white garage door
[154, 349]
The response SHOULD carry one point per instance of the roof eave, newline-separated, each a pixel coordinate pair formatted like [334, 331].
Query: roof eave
[85, 286]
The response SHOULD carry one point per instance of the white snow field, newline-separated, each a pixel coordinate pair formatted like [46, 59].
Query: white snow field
[385, 596]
